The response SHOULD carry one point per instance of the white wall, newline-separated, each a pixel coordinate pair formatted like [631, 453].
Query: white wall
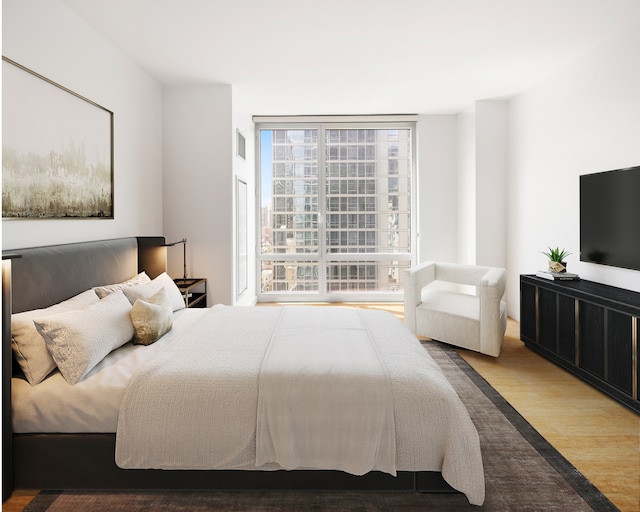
[437, 182]
[466, 187]
[491, 183]
[48, 38]
[199, 185]
[482, 141]
[245, 170]
[583, 119]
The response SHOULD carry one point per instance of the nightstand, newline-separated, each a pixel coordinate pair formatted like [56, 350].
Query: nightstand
[194, 291]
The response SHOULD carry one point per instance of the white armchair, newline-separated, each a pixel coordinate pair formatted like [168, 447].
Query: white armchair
[450, 314]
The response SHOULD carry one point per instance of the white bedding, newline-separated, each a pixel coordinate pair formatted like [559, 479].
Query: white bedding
[91, 405]
[216, 359]
[433, 430]
[324, 395]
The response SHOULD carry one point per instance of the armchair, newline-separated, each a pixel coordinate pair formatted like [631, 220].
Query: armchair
[437, 306]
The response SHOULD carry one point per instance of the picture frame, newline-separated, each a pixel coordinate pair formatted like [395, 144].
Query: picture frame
[57, 158]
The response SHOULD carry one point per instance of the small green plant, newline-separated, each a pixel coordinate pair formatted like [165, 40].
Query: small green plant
[556, 254]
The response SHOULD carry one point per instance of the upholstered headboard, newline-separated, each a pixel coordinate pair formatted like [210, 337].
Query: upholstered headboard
[43, 276]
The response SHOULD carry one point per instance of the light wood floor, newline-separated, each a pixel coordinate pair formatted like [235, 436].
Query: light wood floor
[597, 435]
[600, 437]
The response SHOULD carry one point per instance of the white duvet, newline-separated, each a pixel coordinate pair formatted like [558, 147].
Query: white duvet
[324, 395]
[194, 404]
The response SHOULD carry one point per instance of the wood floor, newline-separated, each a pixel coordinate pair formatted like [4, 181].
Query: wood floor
[597, 435]
[600, 437]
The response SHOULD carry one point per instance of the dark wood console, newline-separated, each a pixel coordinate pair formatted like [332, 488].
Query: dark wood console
[590, 329]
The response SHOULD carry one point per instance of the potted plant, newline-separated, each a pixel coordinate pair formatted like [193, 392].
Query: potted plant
[556, 259]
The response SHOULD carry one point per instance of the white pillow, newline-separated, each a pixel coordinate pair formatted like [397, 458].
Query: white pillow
[145, 291]
[103, 291]
[151, 318]
[79, 340]
[29, 347]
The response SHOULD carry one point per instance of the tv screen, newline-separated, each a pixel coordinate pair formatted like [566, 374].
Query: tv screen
[610, 218]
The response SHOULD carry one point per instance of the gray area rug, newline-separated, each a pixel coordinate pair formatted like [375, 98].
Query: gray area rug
[523, 472]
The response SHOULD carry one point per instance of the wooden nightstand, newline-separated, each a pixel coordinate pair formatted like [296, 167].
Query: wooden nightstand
[194, 291]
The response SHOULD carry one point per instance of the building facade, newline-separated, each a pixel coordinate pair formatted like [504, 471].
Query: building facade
[341, 208]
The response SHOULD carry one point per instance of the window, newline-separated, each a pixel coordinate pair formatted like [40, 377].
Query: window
[336, 212]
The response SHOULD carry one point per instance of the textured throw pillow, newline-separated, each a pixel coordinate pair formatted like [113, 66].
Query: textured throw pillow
[103, 291]
[145, 291]
[29, 347]
[151, 318]
[79, 340]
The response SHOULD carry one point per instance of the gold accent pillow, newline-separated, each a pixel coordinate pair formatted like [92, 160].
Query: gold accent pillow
[151, 318]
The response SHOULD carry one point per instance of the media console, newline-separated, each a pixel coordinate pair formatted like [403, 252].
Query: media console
[591, 330]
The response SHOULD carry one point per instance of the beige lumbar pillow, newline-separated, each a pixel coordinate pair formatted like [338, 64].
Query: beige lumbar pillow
[79, 340]
[151, 318]
[29, 346]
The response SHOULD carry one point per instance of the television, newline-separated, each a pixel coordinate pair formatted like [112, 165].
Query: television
[610, 218]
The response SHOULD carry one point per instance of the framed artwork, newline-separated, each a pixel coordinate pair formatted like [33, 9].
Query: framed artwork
[241, 237]
[57, 150]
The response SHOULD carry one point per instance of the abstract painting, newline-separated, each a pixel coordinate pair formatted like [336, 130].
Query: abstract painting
[57, 150]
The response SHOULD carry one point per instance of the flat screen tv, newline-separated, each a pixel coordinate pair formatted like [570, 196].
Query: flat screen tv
[610, 218]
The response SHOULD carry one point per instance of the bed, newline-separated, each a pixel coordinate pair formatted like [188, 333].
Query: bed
[213, 403]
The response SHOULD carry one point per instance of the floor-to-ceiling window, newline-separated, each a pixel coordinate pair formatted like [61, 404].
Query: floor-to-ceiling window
[336, 218]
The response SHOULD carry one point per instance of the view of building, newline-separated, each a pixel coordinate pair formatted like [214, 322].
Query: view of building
[341, 229]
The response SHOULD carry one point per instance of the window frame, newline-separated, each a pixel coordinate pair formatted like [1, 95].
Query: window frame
[323, 258]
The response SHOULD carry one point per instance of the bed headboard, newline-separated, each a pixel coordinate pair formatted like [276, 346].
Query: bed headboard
[43, 276]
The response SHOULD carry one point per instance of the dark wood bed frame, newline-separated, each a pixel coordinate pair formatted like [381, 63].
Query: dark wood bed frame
[39, 277]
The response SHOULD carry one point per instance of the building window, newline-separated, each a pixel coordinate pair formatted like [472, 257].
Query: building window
[336, 215]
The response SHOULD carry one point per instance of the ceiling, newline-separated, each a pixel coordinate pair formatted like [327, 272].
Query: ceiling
[320, 57]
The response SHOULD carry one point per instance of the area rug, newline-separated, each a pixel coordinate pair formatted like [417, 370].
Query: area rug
[523, 472]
